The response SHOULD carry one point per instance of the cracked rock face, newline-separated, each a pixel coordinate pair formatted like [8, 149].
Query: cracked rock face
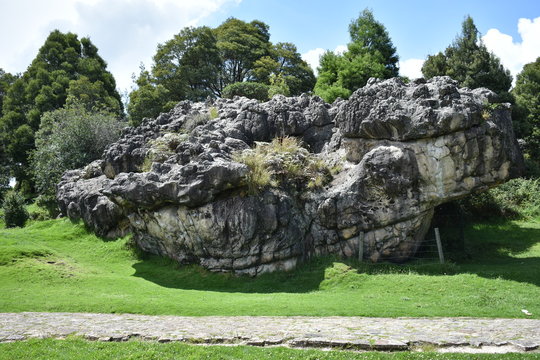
[397, 150]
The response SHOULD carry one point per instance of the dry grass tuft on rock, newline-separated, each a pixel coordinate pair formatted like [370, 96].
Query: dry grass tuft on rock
[283, 162]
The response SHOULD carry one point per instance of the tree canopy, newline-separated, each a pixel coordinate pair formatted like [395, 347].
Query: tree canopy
[527, 109]
[6, 79]
[201, 62]
[369, 54]
[65, 68]
[468, 61]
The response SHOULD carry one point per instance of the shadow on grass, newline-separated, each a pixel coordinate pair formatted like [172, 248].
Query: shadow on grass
[492, 251]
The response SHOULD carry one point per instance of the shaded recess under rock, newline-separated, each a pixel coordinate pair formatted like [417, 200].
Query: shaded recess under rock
[393, 152]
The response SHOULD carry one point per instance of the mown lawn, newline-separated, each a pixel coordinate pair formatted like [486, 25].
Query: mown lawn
[75, 348]
[58, 266]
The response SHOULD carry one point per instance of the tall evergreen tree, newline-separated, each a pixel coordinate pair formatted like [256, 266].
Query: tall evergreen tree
[64, 65]
[369, 54]
[6, 79]
[527, 110]
[468, 61]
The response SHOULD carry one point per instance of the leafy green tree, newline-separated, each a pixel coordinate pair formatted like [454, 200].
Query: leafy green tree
[468, 61]
[241, 44]
[188, 65]
[284, 62]
[527, 109]
[148, 100]
[369, 54]
[201, 62]
[69, 138]
[45, 86]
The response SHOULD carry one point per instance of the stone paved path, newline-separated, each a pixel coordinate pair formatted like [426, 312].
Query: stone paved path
[341, 332]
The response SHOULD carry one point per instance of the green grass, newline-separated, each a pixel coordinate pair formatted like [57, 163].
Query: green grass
[58, 266]
[75, 348]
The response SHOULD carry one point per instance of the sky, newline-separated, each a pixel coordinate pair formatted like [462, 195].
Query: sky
[127, 32]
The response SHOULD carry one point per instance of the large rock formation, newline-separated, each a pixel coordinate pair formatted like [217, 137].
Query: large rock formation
[377, 166]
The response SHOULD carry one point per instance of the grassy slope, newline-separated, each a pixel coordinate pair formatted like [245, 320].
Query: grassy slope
[57, 266]
[80, 349]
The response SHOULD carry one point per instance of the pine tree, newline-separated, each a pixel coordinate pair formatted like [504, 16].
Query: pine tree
[468, 61]
[369, 54]
[63, 66]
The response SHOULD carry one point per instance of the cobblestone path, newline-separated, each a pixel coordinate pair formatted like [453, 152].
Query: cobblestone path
[298, 331]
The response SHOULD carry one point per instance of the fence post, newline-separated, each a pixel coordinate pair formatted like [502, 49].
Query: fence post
[360, 246]
[439, 245]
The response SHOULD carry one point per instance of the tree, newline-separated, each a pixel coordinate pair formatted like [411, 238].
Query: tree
[188, 65]
[148, 100]
[240, 45]
[369, 54]
[284, 62]
[468, 61]
[527, 110]
[92, 95]
[201, 62]
[64, 66]
[69, 138]
[370, 37]
[6, 79]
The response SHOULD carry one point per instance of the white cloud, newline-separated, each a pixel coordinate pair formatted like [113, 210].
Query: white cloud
[340, 49]
[313, 56]
[126, 32]
[411, 68]
[516, 54]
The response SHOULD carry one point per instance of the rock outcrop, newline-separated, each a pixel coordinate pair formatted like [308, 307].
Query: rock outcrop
[375, 167]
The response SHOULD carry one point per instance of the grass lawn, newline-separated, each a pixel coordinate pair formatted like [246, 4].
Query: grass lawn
[79, 349]
[58, 266]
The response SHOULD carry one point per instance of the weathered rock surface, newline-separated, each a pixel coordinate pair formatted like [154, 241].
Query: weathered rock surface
[401, 149]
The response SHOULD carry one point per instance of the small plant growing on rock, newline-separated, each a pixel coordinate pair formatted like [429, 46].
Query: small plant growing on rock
[161, 149]
[15, 214]
[489, 109]
[259, 175]
[283, 162]
[198, 119]
[213, 112]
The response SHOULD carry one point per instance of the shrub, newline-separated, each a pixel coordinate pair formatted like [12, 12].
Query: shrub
[251, 90]
[49, 203]
[69, 138]
[15, 213]
[517, 198]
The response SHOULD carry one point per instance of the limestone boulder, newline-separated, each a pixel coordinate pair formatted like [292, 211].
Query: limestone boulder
[370, 173]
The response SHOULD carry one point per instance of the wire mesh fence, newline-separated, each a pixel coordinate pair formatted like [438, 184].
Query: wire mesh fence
[443, 242]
